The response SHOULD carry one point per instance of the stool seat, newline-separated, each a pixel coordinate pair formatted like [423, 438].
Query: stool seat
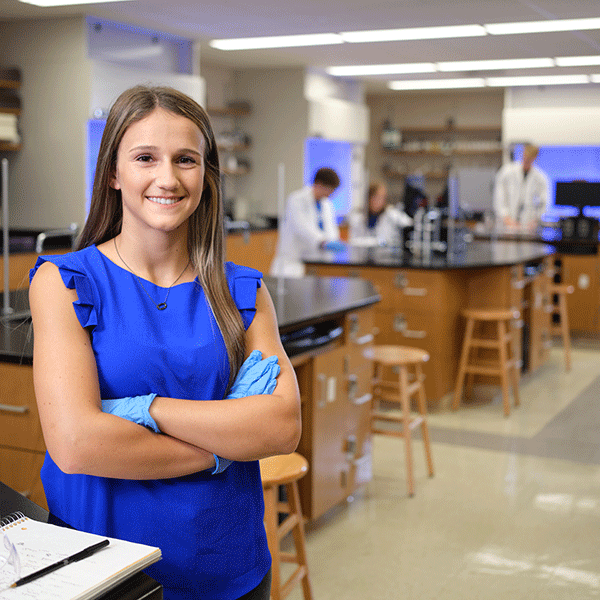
[396, 355]
[282, 469]
[275, 471]
[400, 391]
[486, 314]
[504, 364]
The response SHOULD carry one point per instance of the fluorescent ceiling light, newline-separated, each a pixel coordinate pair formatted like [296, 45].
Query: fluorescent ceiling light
[413, 33]
[577, 61]
[543, 26]
[485, 65]
[66, 2]
[595, 78]
[435, 84]
[381, 69]
[277, 41]
[537, 80]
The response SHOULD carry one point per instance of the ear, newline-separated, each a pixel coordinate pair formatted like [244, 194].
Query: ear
[114, 183]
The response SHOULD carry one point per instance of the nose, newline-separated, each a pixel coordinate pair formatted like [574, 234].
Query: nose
[166, 175]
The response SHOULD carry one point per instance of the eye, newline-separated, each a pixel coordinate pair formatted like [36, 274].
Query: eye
[143, 158]
[187, 160]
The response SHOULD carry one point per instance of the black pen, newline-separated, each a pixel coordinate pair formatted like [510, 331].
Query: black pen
[61, 563]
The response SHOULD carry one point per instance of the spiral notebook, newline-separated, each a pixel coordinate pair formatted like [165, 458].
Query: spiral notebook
[40, 544]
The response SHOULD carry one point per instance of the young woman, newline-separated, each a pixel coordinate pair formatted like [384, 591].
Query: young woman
[378, 221]
[146, 319]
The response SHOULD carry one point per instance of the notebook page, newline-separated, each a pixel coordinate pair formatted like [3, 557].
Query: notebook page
[40, 544]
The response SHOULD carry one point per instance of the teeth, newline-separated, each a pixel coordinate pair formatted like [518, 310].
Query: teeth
[163, 200]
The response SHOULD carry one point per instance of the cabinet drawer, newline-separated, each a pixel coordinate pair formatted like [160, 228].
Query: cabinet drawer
[425, 290]
[359, 329]
[19, 420]
[422, 329]
[20, 470]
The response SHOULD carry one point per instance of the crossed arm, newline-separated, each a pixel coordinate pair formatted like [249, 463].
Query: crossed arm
[83, 439]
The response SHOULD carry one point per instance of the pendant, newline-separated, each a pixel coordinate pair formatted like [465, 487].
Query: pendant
[161, 306]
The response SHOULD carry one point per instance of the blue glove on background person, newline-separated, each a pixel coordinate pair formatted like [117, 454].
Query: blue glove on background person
[334, 246]
[256, 376]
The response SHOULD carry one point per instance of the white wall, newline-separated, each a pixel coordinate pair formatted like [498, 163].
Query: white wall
[552, 115]
[278, 126]
[47, 177]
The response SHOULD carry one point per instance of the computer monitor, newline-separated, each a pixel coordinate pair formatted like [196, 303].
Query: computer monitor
[578, 194]
[475, 189]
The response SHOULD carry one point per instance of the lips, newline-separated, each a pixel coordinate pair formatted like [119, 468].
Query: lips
[163, 200]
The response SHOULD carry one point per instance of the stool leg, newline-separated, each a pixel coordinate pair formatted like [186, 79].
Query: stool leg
[514, 371]
[405, 403]
[293, 497]
[464, 359]
[564, 328]
[271, 524]
[423, 411]
[502, 341]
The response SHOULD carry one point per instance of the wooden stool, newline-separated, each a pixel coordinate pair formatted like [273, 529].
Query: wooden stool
[285, 470]
[505, 366]
[401, 392]
[562, 327]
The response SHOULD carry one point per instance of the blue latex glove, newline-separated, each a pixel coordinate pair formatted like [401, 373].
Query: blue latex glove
[134, 409]
[334, 246]
[256, 376]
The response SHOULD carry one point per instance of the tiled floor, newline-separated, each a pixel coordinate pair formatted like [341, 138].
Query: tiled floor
[513, 511]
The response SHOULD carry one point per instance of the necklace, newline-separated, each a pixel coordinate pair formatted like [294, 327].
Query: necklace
[163, 304]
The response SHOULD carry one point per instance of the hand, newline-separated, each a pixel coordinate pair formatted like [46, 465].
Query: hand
[256, 376]
[334, 246]
[135, 409]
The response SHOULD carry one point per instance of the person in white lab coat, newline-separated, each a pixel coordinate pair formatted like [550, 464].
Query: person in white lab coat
[378, 223]
[309, 224]
[521, 192]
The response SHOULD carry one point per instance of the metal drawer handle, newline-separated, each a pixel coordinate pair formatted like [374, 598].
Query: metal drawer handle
[14, 409]
[364, 339]
[519, 285]
[415, 291]
[363, 399]
[400, 326]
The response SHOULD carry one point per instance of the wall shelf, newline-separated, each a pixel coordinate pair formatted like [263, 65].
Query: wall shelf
[227, 112]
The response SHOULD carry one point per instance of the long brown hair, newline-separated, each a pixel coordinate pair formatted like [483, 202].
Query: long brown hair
[206, 228]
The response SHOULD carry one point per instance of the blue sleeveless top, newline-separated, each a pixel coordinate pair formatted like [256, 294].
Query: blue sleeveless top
[209, 527]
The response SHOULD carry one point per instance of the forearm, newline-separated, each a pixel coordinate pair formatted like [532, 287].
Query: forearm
[109, 446]
[238, 429]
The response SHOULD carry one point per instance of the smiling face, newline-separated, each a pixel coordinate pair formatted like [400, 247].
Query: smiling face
[160, 172]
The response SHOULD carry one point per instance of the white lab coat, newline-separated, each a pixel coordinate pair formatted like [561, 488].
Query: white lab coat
[386, 230]
[300, 232]
[524, 199]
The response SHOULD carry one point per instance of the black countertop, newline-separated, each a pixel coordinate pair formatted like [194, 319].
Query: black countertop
[476, 254]
[298, 303]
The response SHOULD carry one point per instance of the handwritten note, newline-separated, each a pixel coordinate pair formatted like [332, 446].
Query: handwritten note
[40, 544]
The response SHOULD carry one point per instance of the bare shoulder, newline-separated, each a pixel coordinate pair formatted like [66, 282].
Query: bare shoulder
[48, 294]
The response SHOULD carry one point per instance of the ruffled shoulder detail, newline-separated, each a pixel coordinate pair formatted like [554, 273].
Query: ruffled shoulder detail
[74, 276]
[243, 284]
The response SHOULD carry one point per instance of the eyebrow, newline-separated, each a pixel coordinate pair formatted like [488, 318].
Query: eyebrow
[152, 148]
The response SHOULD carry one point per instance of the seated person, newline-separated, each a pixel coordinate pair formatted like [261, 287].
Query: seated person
[378, 221]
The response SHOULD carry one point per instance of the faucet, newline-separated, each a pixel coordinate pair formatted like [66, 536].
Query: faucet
[72, 231]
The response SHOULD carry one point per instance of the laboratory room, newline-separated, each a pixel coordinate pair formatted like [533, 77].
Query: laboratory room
[367, 238]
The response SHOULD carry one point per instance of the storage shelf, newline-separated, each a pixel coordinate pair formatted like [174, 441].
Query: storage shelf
[433, 175]
[236, 148]
[235, 172]
[417, 153]
[9, 147]
[451, 131]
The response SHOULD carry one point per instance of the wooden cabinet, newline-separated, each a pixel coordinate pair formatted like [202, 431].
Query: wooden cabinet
[21, 441]
[335, 386]
[19, 266]
[583, 305]
[255, 250]
[421, 308]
